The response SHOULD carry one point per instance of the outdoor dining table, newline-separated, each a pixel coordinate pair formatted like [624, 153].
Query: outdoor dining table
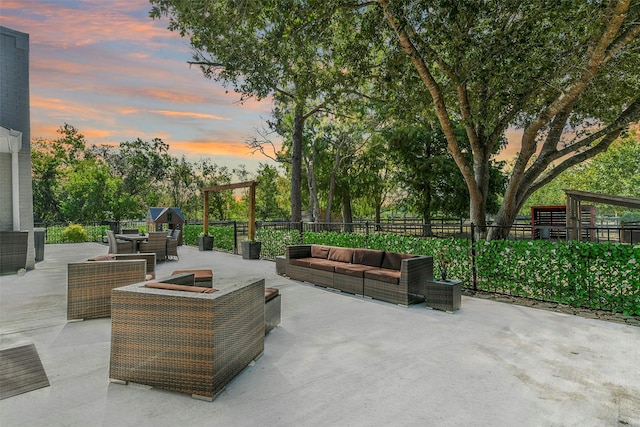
[135, 238]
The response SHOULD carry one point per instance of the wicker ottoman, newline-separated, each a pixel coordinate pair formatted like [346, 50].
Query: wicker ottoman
[185, 341]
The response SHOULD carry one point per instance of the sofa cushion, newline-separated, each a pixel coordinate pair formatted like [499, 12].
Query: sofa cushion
[369, 257]
[383, 275]
[324, 264]
[354, 270]
[319, 251]
[300, 262]
[393, 260]
[341, 254]
[184, 288]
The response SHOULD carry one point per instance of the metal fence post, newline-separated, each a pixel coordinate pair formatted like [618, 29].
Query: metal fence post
[474, 272]
[235, 237]
[301, 232]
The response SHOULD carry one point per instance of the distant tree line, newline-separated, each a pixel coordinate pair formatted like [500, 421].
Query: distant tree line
[77, 182]
[397, 171]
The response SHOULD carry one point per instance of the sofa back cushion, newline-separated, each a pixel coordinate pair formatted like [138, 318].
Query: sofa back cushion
[319, 251]
[393, 260]
[368, 257]
[341, 254]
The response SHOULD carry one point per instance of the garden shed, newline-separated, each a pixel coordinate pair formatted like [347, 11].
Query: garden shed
[550, 222]
[159, 216]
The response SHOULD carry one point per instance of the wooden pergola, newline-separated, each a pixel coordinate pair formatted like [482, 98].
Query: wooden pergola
[252, 203]
[575, 199]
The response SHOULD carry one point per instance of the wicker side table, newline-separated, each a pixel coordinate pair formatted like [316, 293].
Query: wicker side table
[443, 295]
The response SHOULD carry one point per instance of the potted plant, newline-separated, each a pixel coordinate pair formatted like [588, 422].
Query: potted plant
[443, 262]
[205, 242]
[251, 249]
[443, 293]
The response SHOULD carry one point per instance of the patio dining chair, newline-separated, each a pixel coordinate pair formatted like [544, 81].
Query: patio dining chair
[117, 246]
[156, 243]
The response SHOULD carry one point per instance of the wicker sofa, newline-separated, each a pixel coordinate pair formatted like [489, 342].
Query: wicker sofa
[387, 276]
[186, 341]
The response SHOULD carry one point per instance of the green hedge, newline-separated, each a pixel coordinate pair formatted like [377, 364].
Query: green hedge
[223, 237]
[274, 241]
[602, 276]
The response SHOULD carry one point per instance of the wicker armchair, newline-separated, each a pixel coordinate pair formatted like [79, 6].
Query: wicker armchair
[156, 243]
[172, 245]
[185, 341]
[117, 246]
[89, 285]
[149, 258]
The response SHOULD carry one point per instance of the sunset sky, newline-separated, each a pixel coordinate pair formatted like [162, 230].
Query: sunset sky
[106, 68]
[115, 74]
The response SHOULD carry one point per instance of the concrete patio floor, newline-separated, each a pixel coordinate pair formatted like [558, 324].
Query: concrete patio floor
[336, 360]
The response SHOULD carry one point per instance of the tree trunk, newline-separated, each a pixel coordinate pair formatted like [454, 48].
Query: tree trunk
[332, 184]
[478, 198]
[296, 164]
[313, 190]
[347, 213]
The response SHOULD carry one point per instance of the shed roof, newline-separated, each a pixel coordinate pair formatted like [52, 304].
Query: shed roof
[157, 212]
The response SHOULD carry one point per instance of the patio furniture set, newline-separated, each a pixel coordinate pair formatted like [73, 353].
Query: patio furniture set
[181, 334]
[163, 243]
[177, 333]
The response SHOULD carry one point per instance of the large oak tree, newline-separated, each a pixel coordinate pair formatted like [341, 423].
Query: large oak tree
[566, 74]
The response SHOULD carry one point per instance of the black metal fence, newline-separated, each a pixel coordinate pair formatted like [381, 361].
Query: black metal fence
[628, 233]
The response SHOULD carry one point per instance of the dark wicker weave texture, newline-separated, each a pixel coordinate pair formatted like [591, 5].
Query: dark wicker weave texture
[186, 342]
[414, 272]
[13, 251]
[445, 296]
[89, 285]
[149, 257]
[350, 284]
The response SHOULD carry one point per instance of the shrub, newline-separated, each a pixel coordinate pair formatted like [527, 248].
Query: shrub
[74, 233]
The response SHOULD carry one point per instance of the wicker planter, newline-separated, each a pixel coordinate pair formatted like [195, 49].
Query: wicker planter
[205, 243]
[251, 250]
[443, 294]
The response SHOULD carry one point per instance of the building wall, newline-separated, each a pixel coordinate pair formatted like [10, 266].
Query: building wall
[15, 114]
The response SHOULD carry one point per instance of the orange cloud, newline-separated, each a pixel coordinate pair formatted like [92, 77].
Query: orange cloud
[212, 148]
[188, 114]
